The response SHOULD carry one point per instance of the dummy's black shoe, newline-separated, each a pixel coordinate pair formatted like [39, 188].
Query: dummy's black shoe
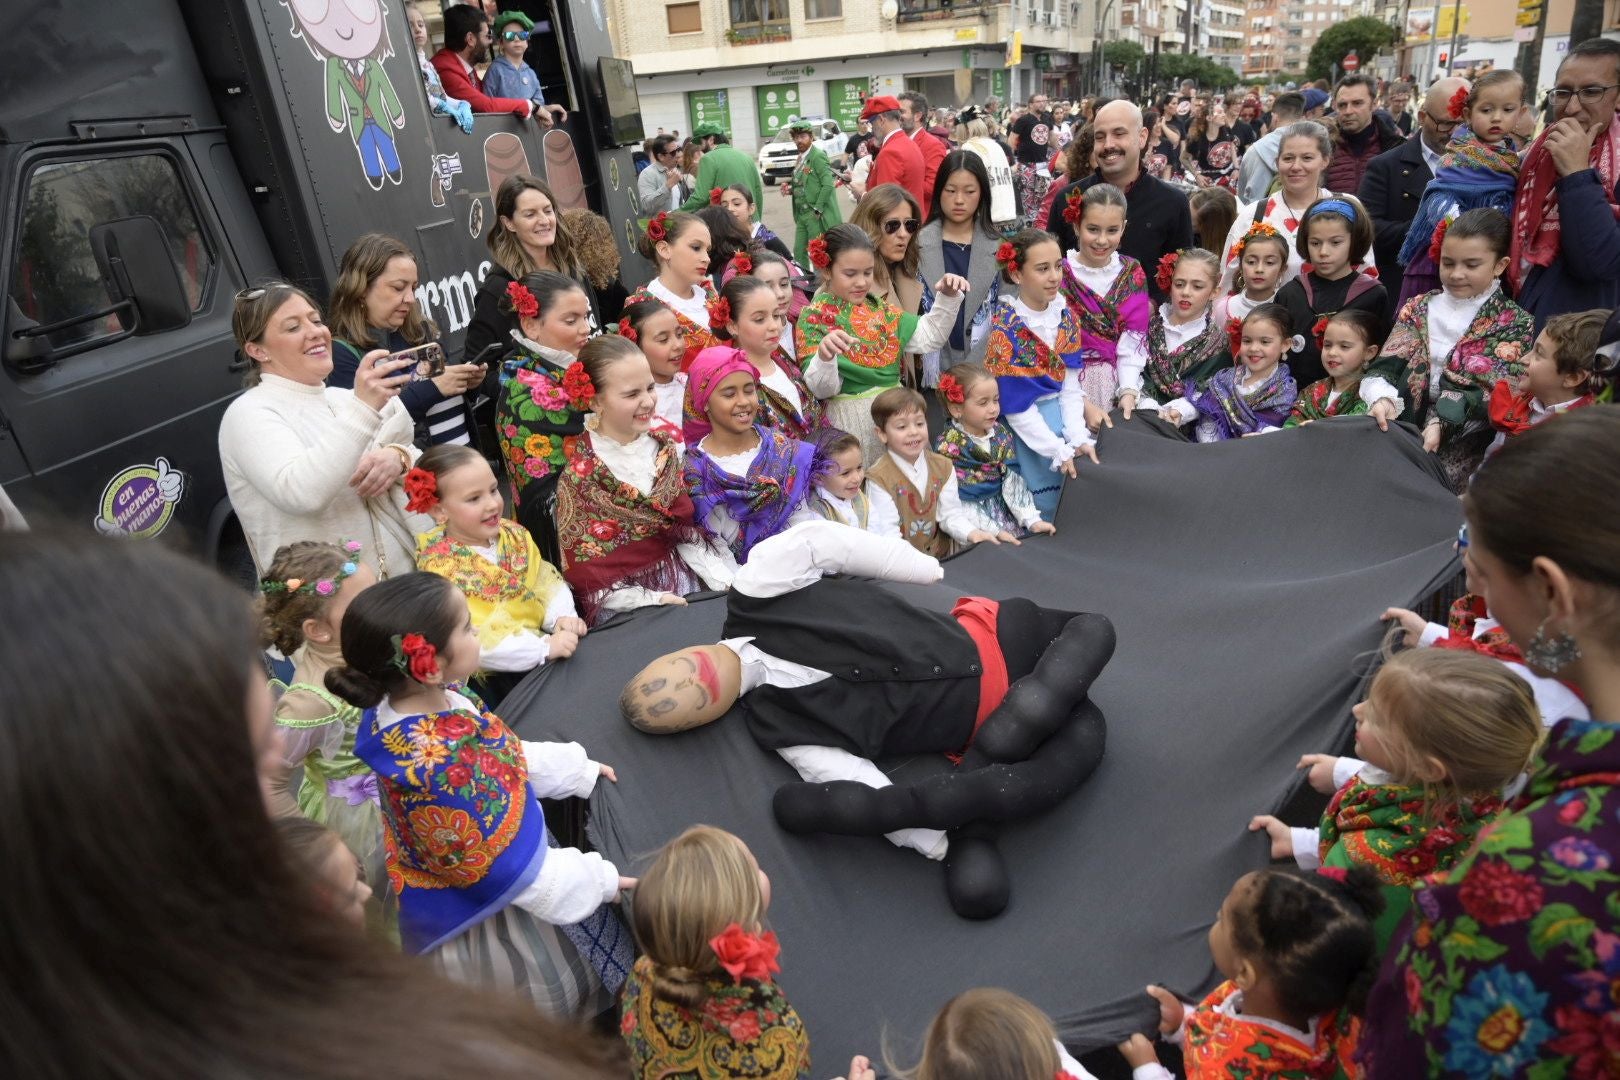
[845, 807]
[975, 875]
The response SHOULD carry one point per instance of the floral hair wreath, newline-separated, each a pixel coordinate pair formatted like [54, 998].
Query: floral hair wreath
[523, 301]
[715, 195]
[1074, 206]
[1165, 273]
[1438, 240]
[1258, 229]
[655, 228]
[576, 383]
[421, 490]
[952, 390]
[627, 331]
[817, 249]
[1007, 257]
[326, 586]
[742, 263]
[416, 656]
[1458, 105]
[719, 313]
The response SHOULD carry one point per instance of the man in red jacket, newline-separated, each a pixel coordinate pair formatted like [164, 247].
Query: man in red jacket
[898, 160]
[466, 44]
[914, 119]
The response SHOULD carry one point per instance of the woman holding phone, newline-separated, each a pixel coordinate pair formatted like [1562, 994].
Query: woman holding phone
[374, 306]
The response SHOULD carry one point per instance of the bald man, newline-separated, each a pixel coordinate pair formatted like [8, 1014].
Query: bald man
[1158, 220]
[1393, 184]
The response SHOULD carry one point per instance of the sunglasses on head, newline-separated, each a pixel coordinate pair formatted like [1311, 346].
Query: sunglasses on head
[894, 225]
[515, 35]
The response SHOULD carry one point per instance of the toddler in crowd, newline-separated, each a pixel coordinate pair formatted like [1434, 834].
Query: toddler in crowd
[703, 989]
[1297, 952]
[1107, 291]
[1564, 372]
[913, 487]
[336, 878]
[1348, 343]
[628, 529]
[1334, 237]
[746, 317]
[1439, 736]
[1185, 345]
[303, 596]
[1479, 170]
[678, 245]
[1251, 398]
[1261, 255]
[840, 493]
[747, 482]
[454, 779]
[520, 604]
[850, 341]
[651, 326]
[981, 451]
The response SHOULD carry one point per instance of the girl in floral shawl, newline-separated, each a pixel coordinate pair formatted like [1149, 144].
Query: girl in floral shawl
[1185, 345]
[984, 456]
[747, 482]
[1253, 397]
[1107, 290]
[1450, 347]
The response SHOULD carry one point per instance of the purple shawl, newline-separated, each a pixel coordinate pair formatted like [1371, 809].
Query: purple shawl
[777, 484]
[1104, 318]
[1236, 415]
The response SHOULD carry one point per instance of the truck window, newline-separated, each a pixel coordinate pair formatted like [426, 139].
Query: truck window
[56, 276]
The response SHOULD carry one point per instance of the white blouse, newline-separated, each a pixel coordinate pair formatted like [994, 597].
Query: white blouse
[695, 306]
[1029, 425]
[1449, 319]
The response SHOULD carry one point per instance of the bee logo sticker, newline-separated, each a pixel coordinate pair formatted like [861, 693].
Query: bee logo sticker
[140, 501]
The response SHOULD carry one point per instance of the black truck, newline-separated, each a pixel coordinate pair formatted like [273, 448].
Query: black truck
[157, 156]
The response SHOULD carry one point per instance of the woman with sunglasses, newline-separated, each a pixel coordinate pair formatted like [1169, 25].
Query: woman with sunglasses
[891, 218]
[509, 76]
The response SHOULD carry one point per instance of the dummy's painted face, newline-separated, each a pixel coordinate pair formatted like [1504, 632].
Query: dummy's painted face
[682, 690]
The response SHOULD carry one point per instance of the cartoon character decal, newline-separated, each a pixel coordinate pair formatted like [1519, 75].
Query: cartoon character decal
[351, 38]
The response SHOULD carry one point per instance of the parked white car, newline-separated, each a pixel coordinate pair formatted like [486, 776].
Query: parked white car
[777, 157]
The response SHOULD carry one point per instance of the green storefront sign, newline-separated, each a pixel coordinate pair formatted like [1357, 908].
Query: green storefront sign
[845, 99]
[709, 107]
[998, 84]
[776, 106]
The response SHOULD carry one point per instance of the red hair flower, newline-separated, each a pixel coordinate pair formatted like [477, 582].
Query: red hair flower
[742, 263]
[715, 195]
[950, 388]
[719, 313]
[745, 955]
[1234, 335]
[576, 383]
[416, 656]
[523, 301]
[1075, 206]
[1319, 330]
[1439, 239]
[1166, 271]
[421, 491]
[818, 253]
[655, 227]
[627, 331]
[1006, 254]
[1458, 103]
[1334, 873]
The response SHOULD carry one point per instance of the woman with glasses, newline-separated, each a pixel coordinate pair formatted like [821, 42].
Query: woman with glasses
[305, 461]
[891, 218]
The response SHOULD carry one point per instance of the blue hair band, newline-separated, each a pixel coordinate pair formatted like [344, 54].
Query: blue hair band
[1332, 206]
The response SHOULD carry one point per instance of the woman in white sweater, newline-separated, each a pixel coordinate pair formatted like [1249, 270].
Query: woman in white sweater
[304, 461]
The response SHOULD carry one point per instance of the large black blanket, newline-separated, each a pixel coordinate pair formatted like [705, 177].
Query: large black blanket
[1245, 580]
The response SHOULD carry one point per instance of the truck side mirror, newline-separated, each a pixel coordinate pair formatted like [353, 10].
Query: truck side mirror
[136, 265]
[27, 353]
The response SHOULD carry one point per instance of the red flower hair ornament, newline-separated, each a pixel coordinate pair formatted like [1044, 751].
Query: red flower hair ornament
[951, 389]
[715, 195]
[817, 249]
[523, 301]
[1334, 873]
[627, 331]
[1234, 335]
[1458, 103]
[576, 383]
[1074, 206]
[742, 263]
[744, 955]
[1439, 240]
[655, 228]
[1166, 271]
[1007, 257]
[416, 656]
[421, 491]
[719, 313]
[1319, 330]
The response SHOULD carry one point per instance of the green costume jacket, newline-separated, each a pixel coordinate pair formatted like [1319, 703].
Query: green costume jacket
[815, 201]
[720, 168]
[349, 100]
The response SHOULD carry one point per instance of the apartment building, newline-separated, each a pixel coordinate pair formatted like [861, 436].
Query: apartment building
[750, 65]
[1281, 33]
[1212, 28]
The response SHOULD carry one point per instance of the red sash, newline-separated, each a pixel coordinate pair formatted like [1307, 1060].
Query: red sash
[978, 616]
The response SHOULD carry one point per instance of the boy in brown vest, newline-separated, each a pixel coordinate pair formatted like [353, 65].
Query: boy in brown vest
[913, 486]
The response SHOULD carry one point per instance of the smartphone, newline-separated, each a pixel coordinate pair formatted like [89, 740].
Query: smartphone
[426, 361]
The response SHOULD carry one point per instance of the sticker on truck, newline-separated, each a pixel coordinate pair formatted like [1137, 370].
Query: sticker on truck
[140, 500]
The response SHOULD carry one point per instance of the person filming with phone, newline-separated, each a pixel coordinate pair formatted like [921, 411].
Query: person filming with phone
[374, 306]
[308, 461]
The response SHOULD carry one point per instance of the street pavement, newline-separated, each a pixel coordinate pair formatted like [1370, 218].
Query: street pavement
[778, 212]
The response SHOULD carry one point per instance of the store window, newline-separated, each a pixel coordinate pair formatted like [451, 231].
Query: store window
[756, 17]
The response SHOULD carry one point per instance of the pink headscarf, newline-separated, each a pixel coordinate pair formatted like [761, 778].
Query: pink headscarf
[708, 371]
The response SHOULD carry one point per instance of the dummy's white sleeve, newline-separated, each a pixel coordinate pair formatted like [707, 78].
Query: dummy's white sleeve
[805, 553]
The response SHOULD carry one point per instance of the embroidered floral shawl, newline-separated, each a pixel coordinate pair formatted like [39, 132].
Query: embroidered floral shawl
[775, 411]
[880, 330]
[698, 337]
[1173, 373]
[741, 1031]
[1025, 367]
[979, 472]
[1312, 403]
[1126, 307]
[1234, 413]
[504, 597]
[777, 483]
[539, 428]
[1232, 1046]
[1493, 347]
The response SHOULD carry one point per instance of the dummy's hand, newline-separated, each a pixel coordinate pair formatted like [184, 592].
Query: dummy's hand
[609, 775]
[1138, 1051]
[1282, 840]
[561, 644]
[1089, 450]
[952, 285]
[1097, 417]
[375, 473]
[574, 625]
[1384, 411]
[1171, 1011]
[1321, 768]
[1431, 438]
[669, 599]
[1569, 144]
[860, 1069]
[1043, 527]
[834, 345]
[1067, 468]
[1410, 621]
[1127, 403]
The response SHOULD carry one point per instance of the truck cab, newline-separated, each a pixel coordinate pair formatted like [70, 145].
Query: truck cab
[178, 151]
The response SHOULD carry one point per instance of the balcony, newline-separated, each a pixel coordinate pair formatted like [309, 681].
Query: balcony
[915, 11]
[755, 22]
